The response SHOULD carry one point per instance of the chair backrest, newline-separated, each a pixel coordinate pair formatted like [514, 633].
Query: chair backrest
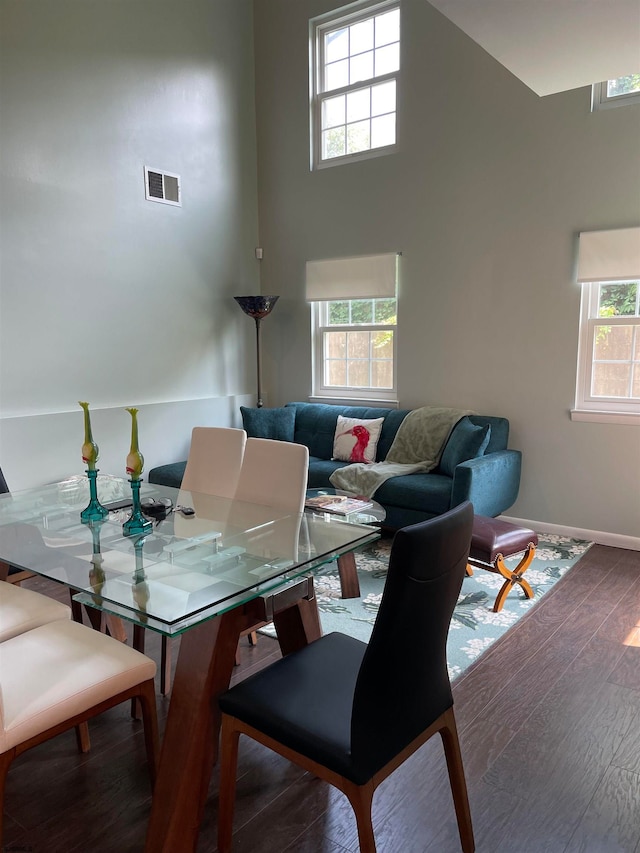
[274, 473]
[403, 684]
[215, 458]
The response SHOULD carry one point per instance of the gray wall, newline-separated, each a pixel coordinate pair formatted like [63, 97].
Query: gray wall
[105, 296]
[484, 200]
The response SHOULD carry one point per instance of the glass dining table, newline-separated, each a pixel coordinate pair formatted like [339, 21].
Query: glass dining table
[206, 569]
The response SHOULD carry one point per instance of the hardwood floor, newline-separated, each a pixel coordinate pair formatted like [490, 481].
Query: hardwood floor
[549, 721]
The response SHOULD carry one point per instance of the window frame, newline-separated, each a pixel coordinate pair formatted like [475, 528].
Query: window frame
[323, 391]
[600, 100]
[587, 405]
[317, 29]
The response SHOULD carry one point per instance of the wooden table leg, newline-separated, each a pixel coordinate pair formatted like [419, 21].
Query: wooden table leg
[297, 626]
[190, 744]
[349, 583]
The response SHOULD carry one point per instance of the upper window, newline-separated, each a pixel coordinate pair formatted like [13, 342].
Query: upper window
[609, 348]
[355, 68]
[613, 93]
[354, 307]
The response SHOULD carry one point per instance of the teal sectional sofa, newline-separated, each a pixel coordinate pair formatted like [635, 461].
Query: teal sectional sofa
[490, 481]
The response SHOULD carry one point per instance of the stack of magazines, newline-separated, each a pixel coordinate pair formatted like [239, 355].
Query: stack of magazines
[340, 504]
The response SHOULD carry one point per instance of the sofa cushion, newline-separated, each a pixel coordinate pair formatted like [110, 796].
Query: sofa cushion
[467, 441]
[278, 424]
[316, 425]
[356, 440]
[320, 470]
[168, 475]
[429, 493]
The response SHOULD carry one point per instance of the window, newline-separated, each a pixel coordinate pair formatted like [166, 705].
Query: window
[355, 66]
[618, 92]
[609, 348]
[354, 308]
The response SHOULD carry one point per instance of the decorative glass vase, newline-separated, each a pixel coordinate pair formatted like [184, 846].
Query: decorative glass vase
[94, 511]
[136, 524]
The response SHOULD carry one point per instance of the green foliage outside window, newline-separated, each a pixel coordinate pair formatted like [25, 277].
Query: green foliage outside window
[618, 299]
[623, 85]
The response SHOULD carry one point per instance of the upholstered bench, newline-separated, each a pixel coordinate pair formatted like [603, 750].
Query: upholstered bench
[492, 541]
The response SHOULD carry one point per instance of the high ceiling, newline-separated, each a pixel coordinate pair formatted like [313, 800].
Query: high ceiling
[554, 45]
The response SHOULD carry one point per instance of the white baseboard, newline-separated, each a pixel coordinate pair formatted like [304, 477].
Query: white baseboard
[615, 540]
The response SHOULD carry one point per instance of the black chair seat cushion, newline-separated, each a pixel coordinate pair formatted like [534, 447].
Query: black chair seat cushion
[304, 701]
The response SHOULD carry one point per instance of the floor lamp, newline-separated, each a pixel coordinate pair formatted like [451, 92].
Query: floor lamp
[257, 307]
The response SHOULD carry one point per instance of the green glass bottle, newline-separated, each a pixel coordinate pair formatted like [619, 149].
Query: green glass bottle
[135, 459]
[89, 447]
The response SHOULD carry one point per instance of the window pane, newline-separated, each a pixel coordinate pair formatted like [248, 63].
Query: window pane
[362, 311]
[383, 98]
[383, 131]
[387, 59]
[361, 67]
[385, 311]
[358, 137]
[358, 344]
[611, 380]
[338, 313]
[635, 388]
[335, 344]
[623, 85]
[382, 344]
[361, 37]
[336, 75]
[358, 374]
[618, 299]
[388, 27]
[359, 105]
[612, 343]
[336, 45]
[333, 143]
[335, 373]
[382, 374]
[333, 111]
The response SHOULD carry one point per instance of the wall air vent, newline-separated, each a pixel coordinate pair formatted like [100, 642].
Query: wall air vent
[162, 186]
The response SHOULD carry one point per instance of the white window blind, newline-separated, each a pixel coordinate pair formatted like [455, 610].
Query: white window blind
[609, 255]
[366, 277]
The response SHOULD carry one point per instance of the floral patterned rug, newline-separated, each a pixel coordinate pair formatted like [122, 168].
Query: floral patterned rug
[474, 626]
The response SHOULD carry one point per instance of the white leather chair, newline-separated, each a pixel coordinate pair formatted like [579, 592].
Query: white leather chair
[57, 676]
[274, 474]
[214, 461]
[23, 609]
[213, 468]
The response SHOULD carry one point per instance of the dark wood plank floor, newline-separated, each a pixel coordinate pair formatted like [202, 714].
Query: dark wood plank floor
[549, 721]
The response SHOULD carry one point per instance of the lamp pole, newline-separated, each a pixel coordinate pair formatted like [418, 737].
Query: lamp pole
[257, 307]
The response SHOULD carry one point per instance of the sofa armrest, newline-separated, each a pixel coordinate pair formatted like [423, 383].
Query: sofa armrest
[490, 482]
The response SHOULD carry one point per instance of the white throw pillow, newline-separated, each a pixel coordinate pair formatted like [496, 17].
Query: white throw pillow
[356, 440]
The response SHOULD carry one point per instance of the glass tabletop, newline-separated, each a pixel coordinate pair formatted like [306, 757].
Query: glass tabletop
[190, 566]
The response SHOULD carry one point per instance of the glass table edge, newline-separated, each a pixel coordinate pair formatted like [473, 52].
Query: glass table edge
[179, 626]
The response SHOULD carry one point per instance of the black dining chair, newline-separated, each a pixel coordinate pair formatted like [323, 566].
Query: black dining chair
[352, 713]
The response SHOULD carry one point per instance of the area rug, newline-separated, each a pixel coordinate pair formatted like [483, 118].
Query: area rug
[474, 626]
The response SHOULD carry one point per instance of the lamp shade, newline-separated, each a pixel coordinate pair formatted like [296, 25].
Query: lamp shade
[257, 306]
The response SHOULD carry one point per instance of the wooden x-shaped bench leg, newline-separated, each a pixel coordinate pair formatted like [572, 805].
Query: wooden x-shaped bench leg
[513, 577]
